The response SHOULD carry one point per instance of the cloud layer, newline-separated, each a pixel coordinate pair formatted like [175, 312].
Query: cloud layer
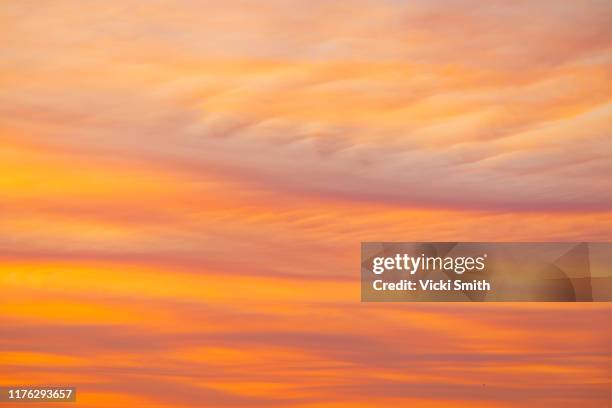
[184, 186]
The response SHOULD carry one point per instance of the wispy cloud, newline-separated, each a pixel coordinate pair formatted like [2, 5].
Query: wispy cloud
[183, 188]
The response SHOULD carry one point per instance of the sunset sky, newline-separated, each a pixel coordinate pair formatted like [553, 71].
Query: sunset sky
[184, 186]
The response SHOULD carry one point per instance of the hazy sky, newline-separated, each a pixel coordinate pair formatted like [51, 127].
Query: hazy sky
[184, 186]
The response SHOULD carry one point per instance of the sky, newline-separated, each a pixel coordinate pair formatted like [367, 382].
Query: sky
[184, 186]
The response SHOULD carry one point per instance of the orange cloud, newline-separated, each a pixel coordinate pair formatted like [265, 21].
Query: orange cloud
[183, 190]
